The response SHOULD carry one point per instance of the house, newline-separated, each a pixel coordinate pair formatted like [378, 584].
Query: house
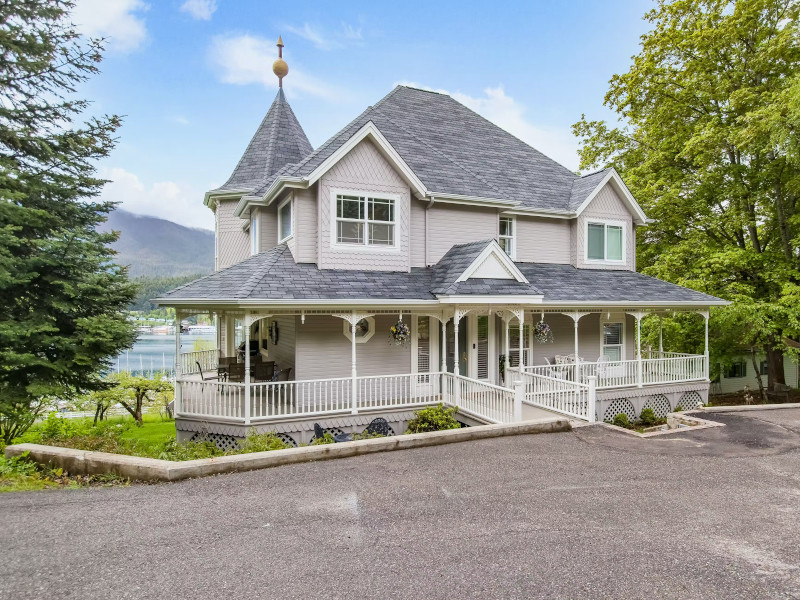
[741, 373]
[510, 280]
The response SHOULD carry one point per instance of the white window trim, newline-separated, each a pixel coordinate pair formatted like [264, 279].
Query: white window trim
[366, 247]
[513, 235]
[366, 337]
[255, 232]
[291, 218]
[605, 222]
[615, 318]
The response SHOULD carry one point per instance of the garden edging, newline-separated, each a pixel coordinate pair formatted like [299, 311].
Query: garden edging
[83, 462]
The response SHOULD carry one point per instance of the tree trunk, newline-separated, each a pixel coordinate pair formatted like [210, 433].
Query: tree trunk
[97, 413]
[762, 393]
[775, 368]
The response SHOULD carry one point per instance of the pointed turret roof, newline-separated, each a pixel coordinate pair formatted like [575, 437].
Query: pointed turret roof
[279, 141]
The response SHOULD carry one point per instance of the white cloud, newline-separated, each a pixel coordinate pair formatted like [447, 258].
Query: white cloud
[165, 199]
[180, 120]
[328, 39]
[115, 19]
[247, 59]
[506, 112]
[200, 9]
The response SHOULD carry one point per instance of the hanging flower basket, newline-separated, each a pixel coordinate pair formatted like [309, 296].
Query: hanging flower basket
[399, 333]
[542, 333]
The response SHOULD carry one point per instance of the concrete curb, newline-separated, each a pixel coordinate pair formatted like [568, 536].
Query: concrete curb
[82, 462]
[746, 407]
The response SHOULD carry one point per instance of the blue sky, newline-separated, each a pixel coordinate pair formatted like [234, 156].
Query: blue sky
[193, 77]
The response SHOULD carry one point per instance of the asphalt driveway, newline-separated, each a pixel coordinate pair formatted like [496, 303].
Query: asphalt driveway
[586, 514]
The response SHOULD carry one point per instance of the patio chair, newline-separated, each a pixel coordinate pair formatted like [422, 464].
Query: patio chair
[224, 361]
[203, 376]
[264, 371]
[378, 426]
[602, 366]
[236, 373]
[283, 375]
[319, 432]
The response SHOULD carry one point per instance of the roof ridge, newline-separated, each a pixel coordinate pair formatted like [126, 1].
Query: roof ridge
[440, 152]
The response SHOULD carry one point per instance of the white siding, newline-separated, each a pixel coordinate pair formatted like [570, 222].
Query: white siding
[736, 384]
[365, 170]
[269, 227]
[609, 206]
[233, 242]
[323, 351]
[543, 240]
[283, 353]
[451, 224]
[305, 223]
[589, 347]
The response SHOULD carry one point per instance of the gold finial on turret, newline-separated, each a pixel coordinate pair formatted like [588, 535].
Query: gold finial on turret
[279, 67]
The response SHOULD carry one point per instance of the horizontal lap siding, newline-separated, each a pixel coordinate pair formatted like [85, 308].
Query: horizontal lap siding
[305, 221]
[323, 351]
[606, 205]
[543, 240]
[452, 224]
[418, 241]
[283, 353]
[365, 171]
[233, 244]
[269, 227]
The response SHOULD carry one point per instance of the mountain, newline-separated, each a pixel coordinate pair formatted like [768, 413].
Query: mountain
[154, 247]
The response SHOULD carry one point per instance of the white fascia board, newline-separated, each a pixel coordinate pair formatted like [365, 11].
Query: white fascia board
[273, 191]
[472, 200]
[493, 248]
[634, 304]
[223, 195]
[338, 304]
[521, 212]
[370, 130]
[638, 214]
[490, 299]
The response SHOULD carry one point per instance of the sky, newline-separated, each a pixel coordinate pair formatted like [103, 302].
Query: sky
[193, 78]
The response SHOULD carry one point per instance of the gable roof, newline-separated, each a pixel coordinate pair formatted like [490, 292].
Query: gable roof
[278, 141]
[273, 277]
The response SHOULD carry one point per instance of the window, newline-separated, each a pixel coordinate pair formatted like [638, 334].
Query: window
[365, 221]
[737, 369]
[285, 228]
[423, 347]
[612, 340]
[507, 235]
[365, 329]
[255, 241]
[764, 368]
[604, 241]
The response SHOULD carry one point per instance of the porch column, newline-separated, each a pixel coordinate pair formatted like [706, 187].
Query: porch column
[354, 372]
[706, 315]
[507, 322]
[178, 397]
[456, 357]
[521, 340]
[638, 317]
[660, 336]
[246, 322]
[577, 360]
[443, 345]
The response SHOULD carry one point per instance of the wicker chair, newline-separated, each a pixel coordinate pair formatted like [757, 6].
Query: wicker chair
[236, 373]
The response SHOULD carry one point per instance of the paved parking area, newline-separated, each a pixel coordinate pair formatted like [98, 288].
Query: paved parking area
[586, 514]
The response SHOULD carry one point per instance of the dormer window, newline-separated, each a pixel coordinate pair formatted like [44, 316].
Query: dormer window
[507, 237]
[285, 228]
[365, 220]
[605, 241]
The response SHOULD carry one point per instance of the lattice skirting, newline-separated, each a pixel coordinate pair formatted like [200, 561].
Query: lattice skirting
[661, 399]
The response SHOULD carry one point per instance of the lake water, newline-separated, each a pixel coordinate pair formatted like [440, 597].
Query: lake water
[152, 353]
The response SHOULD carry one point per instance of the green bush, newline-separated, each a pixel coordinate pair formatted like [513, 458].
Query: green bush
[326, 438]
[678, 408]
[17, 466]
[366, 435]
[621, 420]
[261, 442]
[174, 450]
[648, 418]
[433, 418]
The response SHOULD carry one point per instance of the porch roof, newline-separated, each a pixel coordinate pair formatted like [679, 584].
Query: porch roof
[274, 276]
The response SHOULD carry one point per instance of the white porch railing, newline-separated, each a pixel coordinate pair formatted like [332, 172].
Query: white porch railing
[674, 368]
[208, 359]
[481, 399]
[574, 399]
[211, 399]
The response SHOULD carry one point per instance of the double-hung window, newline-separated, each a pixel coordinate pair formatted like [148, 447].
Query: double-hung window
[612, 340]
[604, 242]
[285, 227]
[364, 220]
[507, 236]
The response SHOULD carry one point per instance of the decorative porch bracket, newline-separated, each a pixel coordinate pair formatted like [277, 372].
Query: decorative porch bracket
[638, 315]
[353, 318]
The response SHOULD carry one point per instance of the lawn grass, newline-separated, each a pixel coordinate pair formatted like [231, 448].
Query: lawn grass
[153, 432]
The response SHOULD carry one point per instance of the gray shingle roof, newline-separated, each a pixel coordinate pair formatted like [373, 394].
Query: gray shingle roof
[583, 186]
[453, 150]
[273, 275]
[278, 141]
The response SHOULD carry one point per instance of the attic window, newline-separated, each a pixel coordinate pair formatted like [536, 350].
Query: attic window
[362, 220]
[605, 241]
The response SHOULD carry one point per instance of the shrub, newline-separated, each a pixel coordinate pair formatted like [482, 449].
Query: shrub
[366, 435]
[433, 418]
[621, 420]
[326, 438]
[679, 408]
[648, 418]
[261, 442]
[174, 450]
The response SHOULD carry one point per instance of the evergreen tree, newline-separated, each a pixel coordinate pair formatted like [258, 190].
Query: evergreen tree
[62, 300]
[709, 144]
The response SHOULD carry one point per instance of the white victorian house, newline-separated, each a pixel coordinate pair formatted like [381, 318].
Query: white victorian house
[423, 216]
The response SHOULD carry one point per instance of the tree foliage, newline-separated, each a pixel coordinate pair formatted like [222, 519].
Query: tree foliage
[61, 296]
[140, 391]
[708, 143]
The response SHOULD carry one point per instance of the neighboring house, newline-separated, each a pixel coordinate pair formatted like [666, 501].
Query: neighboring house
[422, 212]
[741, 373]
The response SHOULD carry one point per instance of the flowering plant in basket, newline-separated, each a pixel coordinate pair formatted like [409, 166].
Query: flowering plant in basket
[399, 333]
[542, 332]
